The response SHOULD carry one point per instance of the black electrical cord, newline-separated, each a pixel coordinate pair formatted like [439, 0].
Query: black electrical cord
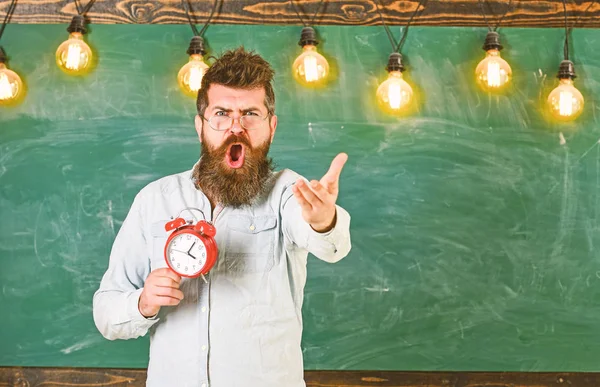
[398, 47]
[312, 21]
[499, 21]
[568, 29]
[86, 9]
[566, 45]
[11, 9]
[186, 7]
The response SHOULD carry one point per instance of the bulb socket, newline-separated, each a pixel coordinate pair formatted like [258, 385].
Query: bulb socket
[196, 46]
[566, 70]
[3, 57]
[395, 62]
[308, 36]
[77, 25]
[492, 41]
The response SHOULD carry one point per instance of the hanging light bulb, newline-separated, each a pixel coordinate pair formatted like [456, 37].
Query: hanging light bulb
[394, 95]
[310, 68]
[565, 101]
[74, 56]
[493, 72]
[11, 86]
[191, 74]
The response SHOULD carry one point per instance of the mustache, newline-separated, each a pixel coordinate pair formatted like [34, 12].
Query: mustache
[237, 187]
[232, 139]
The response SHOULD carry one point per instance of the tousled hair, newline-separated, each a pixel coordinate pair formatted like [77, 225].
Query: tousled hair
[239, 69]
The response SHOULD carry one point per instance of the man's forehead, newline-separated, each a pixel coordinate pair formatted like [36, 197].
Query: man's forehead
[218, 94]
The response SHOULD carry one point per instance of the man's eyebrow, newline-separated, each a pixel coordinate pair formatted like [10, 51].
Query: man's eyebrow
[221, 108]
[248, 109]
[251, 109]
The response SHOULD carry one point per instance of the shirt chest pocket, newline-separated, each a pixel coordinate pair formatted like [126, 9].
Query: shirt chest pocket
[249, 244]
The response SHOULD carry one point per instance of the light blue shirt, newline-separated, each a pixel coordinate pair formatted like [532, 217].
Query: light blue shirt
[242, 327]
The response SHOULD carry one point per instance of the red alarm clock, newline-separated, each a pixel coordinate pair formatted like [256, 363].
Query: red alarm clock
[191, 250]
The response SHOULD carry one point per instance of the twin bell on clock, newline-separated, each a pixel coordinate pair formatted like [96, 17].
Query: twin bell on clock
[190, 250]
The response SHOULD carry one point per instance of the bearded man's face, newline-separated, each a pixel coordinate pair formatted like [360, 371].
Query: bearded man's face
[234, 165]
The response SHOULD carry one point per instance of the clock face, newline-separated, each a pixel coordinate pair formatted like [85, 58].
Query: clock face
[186, 254]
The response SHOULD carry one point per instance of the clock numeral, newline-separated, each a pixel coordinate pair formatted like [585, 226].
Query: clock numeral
[189, 237]
[178, 265]
[203, 254]
[186, 269]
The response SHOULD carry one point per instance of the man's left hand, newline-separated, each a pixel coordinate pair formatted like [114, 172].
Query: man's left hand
[318, 198]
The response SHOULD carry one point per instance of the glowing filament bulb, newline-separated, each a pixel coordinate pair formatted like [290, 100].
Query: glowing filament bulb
[493, 72]
[11, 86]
[311, 68]
[191, 74]
[196, 75]
[565, 101]
[394, 94]
[6, 89]
[74, 56]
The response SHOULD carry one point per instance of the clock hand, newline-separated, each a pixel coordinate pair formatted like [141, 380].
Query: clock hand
[191, 247]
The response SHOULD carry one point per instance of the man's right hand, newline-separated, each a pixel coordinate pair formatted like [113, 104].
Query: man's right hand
[160, 289]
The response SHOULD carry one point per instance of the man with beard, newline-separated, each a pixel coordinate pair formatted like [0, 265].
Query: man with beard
[242, 325]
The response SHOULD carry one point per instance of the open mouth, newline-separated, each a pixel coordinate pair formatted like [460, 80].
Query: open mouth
[235, 155]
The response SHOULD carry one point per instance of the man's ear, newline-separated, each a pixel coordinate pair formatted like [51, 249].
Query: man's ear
[273, 126]
[199, 122]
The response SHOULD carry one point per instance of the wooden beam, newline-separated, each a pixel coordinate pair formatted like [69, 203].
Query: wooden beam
[82, 377]
[520, 13]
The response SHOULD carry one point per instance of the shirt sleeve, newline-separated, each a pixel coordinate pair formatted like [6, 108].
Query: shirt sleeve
[115, 303]
[331, 246]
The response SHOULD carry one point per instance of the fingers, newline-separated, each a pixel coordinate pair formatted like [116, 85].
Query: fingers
[320, 192]
[336, 166]
[159, 295]
[149, 304]
[313, 196]
[166, 301]
[160, 289]
[304, 204]
[165, 282]
[308, 193]
[331, 179]
[166, 272]
[317, 199]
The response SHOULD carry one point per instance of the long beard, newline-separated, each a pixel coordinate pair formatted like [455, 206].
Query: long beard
[234, 187]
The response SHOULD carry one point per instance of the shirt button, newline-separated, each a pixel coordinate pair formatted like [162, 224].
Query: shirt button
[204, 347]
[203, 309]
[203, 384]
[252, 227]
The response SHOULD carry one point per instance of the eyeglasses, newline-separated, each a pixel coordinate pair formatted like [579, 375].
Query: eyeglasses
[248, 122]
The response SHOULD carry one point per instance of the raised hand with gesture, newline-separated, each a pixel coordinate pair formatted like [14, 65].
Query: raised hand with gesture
[318, 198]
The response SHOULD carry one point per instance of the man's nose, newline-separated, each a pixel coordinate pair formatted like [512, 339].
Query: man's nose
[236, 127]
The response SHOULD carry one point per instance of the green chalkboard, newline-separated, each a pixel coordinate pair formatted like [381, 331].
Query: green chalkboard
[475, 221]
